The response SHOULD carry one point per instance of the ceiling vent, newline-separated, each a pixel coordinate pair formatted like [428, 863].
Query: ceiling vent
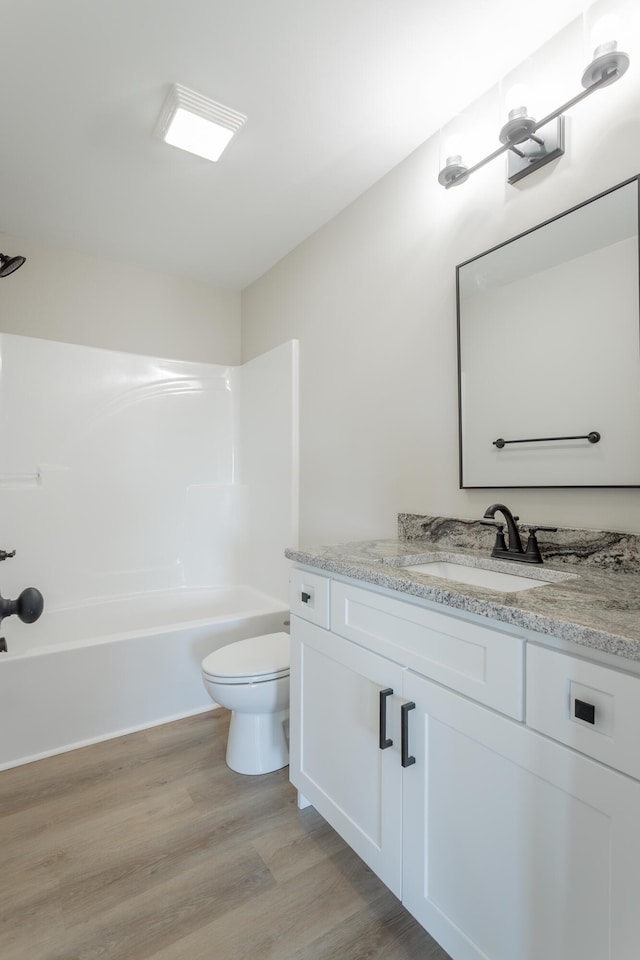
[196, 124]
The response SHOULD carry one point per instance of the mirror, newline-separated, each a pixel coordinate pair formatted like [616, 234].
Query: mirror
[549, 352]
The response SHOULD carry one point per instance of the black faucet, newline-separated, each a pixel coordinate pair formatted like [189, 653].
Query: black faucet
[515, 543]
[514, 550]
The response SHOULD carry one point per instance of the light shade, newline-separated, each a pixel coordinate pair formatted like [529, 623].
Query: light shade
[454, 172]
[196, 124]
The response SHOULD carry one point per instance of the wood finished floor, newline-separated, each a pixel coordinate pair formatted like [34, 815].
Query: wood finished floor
[148, 847]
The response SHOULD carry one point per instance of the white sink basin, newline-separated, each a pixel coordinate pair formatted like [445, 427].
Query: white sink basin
[476, 576]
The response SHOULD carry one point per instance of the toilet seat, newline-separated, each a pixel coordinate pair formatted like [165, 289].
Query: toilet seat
[255, 660]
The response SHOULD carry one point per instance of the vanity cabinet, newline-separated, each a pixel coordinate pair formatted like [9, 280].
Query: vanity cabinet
[501, 838]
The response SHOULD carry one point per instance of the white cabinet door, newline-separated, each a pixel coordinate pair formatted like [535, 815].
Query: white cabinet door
[336, 759]
[515, 847]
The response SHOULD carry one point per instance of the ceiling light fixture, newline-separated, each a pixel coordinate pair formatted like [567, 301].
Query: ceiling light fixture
[533, 143]
[196, 124]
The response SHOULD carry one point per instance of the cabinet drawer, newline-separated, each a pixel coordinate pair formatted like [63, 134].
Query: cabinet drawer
[479, 662]
[309, 597]
[607, 704]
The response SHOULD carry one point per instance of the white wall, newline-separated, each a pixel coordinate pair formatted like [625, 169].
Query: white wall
[371, 298]
[60, 295]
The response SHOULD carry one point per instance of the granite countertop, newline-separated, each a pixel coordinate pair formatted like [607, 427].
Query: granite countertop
[592, 597]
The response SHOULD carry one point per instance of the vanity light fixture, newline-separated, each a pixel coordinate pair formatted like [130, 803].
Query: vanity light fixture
[196, 124]
[532, 143]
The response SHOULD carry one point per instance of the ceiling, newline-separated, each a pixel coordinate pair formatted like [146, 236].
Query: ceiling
[337, 92]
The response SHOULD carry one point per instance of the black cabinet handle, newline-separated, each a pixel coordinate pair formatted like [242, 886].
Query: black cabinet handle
[404, 734]
[382, 727]
[305, 597]
[584, 711]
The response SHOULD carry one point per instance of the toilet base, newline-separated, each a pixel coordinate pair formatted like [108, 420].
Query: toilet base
[257, 743]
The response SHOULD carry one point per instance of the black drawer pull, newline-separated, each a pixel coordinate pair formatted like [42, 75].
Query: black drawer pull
[384, 741]
[404, 734]
[305, 597]
[585, 711]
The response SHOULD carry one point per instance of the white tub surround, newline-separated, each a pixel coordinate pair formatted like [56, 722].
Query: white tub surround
[122, 474]
[134, 490]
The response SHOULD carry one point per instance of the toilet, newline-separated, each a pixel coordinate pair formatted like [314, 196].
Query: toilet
[251, 678]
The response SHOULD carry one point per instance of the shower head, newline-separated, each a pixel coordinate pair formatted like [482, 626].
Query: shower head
[9, 264]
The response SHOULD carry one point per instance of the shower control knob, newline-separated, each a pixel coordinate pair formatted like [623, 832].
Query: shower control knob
[28, 607]
[7, 554]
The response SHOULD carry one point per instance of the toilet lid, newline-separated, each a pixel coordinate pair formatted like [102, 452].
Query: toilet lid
[256, 659]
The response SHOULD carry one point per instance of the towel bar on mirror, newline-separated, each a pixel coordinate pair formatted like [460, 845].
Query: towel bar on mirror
[592, 437]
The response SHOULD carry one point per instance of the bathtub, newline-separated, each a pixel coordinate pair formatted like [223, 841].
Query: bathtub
[105, 668]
